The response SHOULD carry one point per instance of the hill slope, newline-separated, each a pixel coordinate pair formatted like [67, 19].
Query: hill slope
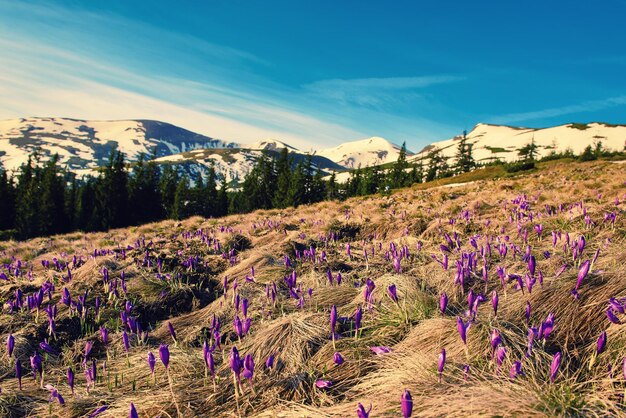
[285, 271]
[491, 142]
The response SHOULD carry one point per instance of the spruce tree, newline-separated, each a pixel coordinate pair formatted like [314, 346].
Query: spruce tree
[27, 201]
[464, 158]
[167, 188]
[7, 202]
[398, 173]
[283, 180]
[221, 206]
[332, 191]
[180, 208]
[297, 190]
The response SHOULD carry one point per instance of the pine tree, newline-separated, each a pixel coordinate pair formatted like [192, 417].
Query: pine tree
[221, 207]
[318, 187]
[145, 197]
[332, 191]
[434, 165]
[180, 208]
[210, 194]
[112, 194]
[50, 186]
[464, 158]
[7, 202]
[167, 187]
[27, 201]
[297, 190]
[528, 152]
[283, 180]
[86, 211]
[398, 175]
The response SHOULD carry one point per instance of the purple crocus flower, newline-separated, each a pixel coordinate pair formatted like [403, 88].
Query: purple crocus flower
[126, 341]
[70, 378]
[462, 328]
[88, 347]
[54, 394]
[104, 334]
[248, 366]
[323, 384]
[601, 343]
[527, 312]
[164, 354]
[235, 362]
[98, 411]
[496, 340]
[18, 373]
[338, 359]
[516, 370]
[10, 344]
[582, 273]
[133, 412]
[441, 363]
[151, 361]
[406, 404]
[333, 319]
[36, 365]
[172, 331]
[500, 355]
[357, 320]
[269, 363]
[494, 302]
[443, 303]
[554, 367]
[612, 317]
[379, 350]
[466, 370]
[393, 293]
[361, 412]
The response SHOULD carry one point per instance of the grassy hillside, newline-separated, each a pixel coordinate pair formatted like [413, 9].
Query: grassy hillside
[524, 238]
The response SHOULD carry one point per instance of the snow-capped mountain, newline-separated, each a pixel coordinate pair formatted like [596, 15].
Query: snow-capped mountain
[491, 142]
[269, 145]
[83, 144]
[234, 164]
[364, 153]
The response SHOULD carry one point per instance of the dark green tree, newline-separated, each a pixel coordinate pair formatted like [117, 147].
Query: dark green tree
[464, 158]
[528, 152]
[283, 180]
[7, 202]
[398, 174]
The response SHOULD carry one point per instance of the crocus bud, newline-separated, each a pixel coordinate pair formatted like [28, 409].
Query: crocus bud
[441, 363]
[164, 354]
[10, 344]
[338, 359]
[554, 367]
[406, 404]
[151, 361]
[443, 303]
[70, 378]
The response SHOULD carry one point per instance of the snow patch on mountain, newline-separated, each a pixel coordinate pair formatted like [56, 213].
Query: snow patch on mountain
[497, 142]
[364, 153]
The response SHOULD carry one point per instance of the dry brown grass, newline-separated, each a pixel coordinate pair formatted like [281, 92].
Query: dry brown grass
[300, 337]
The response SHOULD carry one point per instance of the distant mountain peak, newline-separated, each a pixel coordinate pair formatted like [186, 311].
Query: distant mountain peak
[364, 152]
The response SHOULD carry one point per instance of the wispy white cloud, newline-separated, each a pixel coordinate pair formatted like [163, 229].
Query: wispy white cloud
[75, 63]
[584, 107]
[375, 91]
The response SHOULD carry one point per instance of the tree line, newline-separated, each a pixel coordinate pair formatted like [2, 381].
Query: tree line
[43, 199]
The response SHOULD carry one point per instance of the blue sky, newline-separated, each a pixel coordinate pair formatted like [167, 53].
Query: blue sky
[316, 73]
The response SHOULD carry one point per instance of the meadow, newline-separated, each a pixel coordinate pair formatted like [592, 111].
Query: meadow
[487, 295]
